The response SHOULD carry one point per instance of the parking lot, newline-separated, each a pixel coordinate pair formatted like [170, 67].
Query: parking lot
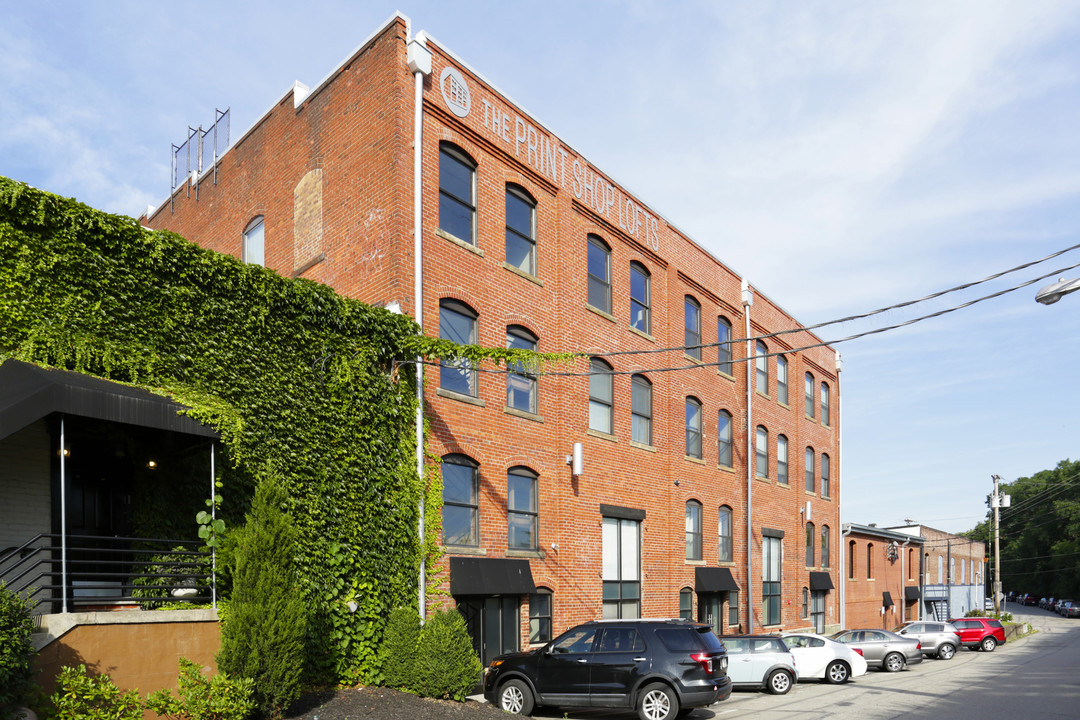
[1034, 676]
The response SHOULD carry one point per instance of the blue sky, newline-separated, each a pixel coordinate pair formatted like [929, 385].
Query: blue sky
[841, 156]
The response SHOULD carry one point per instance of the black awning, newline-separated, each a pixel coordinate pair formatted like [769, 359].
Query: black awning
[714, 579]
[911, 592]
[821, 581]
[886, 599]
[490, 576]
[29, 393]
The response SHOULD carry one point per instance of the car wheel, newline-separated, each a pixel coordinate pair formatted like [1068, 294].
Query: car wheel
[946, 651]
[894, 662]
[516, 698]
[989, 643]
[779, 682]
[657, 702]
[837, 672]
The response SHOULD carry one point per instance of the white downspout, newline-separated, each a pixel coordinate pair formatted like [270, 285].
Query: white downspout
[840, 484]
[419, 61]
[63, 521]
[751, 458]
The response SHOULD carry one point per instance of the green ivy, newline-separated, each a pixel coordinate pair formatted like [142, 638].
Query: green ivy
[301, 383]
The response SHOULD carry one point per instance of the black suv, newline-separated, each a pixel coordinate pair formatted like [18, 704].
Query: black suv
[656, 666]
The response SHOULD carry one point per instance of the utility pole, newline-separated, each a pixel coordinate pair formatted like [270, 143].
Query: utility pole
[996, 504]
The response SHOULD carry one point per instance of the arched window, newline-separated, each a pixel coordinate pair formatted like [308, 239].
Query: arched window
[520, 229]
[725, 534]
[641, 410]
[723, 439]
[253, 248]
[811, 543]
[692, 318]
[599, 274]
[457, 193]
[810, 401]
[460, 476]
[781, 380]
[809, 462]
[782, 459]
[521, 508]
[824, 403]
[806, 602]
[723, 347]
[825, 471]
[540, 615]
[601, 397]
[824, 546]
[457, 323]
[520, 383]
[851, 559]
[693, 530]
[761, 362]
[693, 427]
[686, 604]
[870, 561]
[761, 452]
[640, 298]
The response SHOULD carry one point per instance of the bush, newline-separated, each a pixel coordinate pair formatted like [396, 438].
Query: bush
[397, 656]
[446, 664]
[204, 698]
[80, 696]
[262, 635]
[164, 576]
[15, 650]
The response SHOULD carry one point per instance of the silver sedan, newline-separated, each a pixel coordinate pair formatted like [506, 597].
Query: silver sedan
[881, 648]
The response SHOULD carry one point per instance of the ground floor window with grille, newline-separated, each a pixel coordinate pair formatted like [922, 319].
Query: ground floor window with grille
[622, 568]
[770, 585]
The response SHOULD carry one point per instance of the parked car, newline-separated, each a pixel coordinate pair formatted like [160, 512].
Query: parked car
[1073, 610]
[760, 661]
[1045, 602]
[824, 659]
[882, 649]
[659, 667]
[1063, 607]
[979, 633]
[938, 639]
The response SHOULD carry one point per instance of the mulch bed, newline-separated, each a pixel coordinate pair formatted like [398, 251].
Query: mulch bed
[378, 703]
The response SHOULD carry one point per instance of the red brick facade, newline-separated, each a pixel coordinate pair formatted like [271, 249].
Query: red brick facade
[333, 178]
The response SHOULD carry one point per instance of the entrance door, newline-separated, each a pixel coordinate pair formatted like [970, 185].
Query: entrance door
[817, 610]
[711, 610]
[493, 624]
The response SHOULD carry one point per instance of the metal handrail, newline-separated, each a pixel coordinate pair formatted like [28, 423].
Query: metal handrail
[103, 571]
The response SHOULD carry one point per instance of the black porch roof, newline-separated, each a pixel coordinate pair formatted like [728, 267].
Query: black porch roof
[29, 393]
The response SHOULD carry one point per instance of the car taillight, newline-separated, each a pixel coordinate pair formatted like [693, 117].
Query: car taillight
[858, 650]
[705, 660]
[918, 645]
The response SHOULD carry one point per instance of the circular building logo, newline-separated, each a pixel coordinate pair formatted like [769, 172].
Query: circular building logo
[455, 91]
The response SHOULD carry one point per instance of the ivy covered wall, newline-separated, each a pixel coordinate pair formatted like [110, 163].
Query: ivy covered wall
[301, 384]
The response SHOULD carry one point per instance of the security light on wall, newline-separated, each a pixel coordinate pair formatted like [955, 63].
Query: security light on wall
[576, 461]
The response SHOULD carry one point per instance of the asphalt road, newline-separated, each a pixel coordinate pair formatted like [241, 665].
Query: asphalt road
[1034, 677]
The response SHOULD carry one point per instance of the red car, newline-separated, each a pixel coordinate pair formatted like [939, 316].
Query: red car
[979, 633]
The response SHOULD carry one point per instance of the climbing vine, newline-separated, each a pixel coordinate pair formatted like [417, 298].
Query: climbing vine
[301, 384]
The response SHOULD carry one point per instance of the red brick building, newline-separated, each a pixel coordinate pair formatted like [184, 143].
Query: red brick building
[881, 577]
[709, 487]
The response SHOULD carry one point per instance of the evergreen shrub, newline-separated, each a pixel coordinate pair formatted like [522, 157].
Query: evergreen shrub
[263, 633]
[397, 657]
[16, 627]
[446, 664]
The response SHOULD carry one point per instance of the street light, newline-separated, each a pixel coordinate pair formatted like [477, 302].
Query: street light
[1054, 291]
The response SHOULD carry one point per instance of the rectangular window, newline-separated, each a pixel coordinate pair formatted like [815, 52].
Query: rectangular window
[540, 617]
[810, 470]
[621, 572]
[601, 397]
[811, 543]
[733, 608]
[520, 231]
[724, 535]
[781, 460]
[761, 451]
[599, 275]
[770, 585]
[824, 404]
[825, 475]
[459, 504]
[521, 509]
[810, 401]
[723, 439]
[761, 362]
